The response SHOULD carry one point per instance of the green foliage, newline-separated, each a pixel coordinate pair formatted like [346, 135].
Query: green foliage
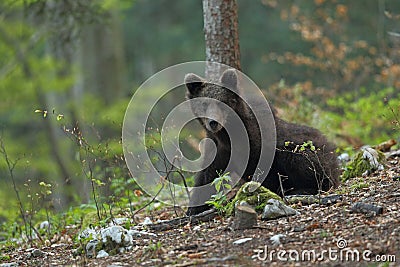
[359, 185]
[155, 246]
[91, 220]
[361, 164]
[221, 184]
[369, 117]
[4, 257]
[73, 218]
[124, 192]
[43, 95]
[300, 148]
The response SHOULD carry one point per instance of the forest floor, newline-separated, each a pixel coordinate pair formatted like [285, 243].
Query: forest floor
[326, 235]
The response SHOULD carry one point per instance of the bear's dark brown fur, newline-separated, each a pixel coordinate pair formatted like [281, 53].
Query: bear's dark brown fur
[301, 170]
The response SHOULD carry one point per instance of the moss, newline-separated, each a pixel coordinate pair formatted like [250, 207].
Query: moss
[359, 185]
[4, 258]
[360, 164]
[254, 194]
[90, 219]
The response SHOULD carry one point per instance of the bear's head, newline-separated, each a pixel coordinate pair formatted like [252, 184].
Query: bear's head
[217, 101]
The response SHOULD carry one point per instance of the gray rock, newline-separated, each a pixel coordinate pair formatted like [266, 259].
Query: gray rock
[116, 234]
[37, 253]
[102, 254]
[44, 225]
[91, 248]
[10, 264]
[245, 217]
[87, 233]
[276, 209]
[276, 239]
[242, 240]
[362, 207]
[372, 156]
[115, 239]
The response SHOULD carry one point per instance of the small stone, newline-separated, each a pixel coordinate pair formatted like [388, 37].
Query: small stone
[91, 248]
[147, 221]
[331, 199]
[276, 239]
[276, 209]
[299, 228]
[242, 240]
[44, 225]
[197, 228]
[102, 254]
[245, 217]
[344, 157]
[37, 253]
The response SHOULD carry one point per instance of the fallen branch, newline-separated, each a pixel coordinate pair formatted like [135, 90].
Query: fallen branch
[392, 154]
[362, 207]
[205, 216]
[313, 199]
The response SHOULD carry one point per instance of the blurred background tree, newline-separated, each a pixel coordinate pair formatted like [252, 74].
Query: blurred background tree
[329, 63]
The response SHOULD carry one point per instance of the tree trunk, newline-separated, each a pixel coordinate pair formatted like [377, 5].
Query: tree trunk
[103, 59]
[221, 35]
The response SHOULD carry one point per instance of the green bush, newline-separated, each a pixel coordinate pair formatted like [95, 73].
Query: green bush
[370, 118]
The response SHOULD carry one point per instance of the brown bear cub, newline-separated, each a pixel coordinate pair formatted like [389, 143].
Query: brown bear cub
[297, 168]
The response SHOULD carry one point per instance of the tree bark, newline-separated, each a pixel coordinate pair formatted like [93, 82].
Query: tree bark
[221, 36]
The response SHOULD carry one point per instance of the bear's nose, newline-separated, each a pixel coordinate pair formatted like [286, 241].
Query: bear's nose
[213, 124]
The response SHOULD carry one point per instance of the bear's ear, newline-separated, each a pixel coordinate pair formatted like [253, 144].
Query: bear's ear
[229, 79]
[193, 83]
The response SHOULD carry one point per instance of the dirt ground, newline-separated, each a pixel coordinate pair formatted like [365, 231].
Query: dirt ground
[326, 235]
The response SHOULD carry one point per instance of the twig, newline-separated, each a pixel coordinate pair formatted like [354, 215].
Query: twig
[148, 203]
[11, 165]
[281, 185]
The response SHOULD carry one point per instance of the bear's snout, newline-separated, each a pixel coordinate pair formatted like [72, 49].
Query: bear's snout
[213, 124]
